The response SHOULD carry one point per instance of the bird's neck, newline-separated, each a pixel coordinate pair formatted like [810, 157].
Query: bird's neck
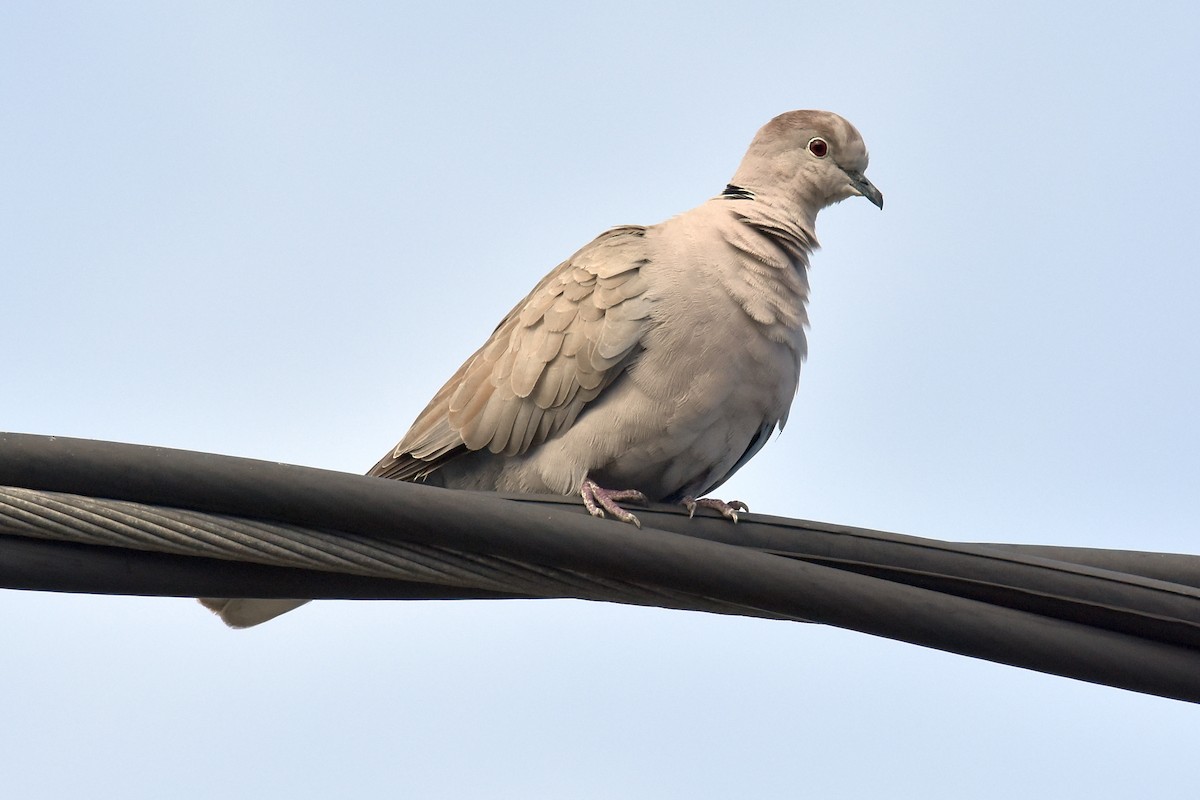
[776, 212]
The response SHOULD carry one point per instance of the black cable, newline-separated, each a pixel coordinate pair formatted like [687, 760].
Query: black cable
[1013, 605]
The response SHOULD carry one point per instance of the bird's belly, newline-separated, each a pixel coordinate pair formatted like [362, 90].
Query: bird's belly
[677, 424]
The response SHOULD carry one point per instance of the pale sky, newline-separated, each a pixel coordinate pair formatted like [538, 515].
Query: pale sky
[274, 229]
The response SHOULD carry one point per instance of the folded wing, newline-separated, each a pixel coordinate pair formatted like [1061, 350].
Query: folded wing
[554, 353]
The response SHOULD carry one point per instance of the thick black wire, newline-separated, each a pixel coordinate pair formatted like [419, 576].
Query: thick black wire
[1135, 631]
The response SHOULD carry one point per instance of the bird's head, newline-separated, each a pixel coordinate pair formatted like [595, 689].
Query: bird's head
[814, 157]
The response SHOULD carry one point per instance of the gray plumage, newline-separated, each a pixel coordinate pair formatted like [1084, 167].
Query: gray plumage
[656, 358]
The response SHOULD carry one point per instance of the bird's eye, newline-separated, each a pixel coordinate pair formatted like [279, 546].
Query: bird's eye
[818, 147]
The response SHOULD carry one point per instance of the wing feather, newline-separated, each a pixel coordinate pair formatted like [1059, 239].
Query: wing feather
[554, 353]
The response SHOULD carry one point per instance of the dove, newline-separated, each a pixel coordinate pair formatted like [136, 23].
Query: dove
[652, 364]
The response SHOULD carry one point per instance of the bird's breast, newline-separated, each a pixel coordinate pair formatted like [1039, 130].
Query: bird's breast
[721, 361]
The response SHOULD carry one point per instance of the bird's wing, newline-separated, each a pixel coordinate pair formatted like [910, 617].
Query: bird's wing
[552, 355]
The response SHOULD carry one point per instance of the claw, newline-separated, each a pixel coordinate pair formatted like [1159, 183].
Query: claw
[598, 500]
[727, 510]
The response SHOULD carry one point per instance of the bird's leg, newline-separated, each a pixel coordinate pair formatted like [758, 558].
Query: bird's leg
[727, 510]
[598, 500]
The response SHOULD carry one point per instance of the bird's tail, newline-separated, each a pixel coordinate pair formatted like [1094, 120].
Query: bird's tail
[246, 613]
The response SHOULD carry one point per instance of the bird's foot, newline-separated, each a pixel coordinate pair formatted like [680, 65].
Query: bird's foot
[727, 510]
[598, 500]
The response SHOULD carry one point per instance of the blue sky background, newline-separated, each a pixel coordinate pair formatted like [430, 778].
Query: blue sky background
[274, 229]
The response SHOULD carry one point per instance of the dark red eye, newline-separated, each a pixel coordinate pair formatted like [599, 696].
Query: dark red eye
[818, 147]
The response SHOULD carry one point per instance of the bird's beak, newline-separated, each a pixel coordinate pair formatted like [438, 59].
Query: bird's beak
[864, 187]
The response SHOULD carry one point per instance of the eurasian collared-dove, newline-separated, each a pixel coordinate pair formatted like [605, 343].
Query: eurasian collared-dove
[654, 362]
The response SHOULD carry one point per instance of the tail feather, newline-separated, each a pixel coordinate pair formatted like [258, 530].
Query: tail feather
[246, 613]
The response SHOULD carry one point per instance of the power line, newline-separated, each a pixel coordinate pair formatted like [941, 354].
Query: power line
[100, 517]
